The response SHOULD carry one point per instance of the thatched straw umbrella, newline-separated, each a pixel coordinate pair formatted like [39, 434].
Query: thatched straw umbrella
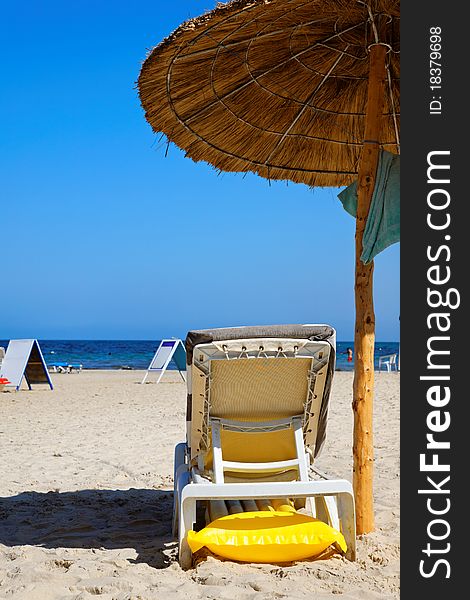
[304, 90]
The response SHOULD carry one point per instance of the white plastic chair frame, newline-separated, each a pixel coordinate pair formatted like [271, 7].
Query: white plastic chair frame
[334, 501]
[389, 360]
[221, 465]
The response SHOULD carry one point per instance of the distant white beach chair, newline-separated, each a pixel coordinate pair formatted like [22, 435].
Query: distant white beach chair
[64, 367]
[389, 361]
[57, 367]
[256, 419]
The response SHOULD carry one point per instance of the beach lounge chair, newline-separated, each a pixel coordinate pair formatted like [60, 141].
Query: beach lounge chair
[256, 419]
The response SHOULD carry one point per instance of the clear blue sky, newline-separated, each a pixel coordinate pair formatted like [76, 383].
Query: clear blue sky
[105, 238]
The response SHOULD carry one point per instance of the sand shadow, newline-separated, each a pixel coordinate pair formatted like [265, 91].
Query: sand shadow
[110, 519]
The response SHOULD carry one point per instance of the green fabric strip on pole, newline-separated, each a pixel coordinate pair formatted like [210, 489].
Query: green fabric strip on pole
[383, 224]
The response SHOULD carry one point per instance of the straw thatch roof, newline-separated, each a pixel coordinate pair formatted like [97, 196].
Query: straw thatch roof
[277, 87]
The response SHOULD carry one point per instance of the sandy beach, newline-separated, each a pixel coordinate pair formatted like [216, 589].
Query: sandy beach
[86, 497]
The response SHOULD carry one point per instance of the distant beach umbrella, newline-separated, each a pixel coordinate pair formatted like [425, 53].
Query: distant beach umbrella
[301, 90]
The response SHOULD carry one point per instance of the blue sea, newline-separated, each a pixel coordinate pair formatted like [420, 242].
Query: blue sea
[128, 354]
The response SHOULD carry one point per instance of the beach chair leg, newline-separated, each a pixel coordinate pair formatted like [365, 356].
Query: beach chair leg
[185, 556]
[326, 509]
[332, 507]
[187, 520]
[348, 522]
[321, 510]
[182, 479]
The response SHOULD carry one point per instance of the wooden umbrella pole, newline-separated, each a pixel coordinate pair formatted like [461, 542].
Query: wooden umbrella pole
[364, 336]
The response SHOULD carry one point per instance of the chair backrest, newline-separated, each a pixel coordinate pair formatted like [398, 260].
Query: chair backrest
[258, 379]
[259, 389]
